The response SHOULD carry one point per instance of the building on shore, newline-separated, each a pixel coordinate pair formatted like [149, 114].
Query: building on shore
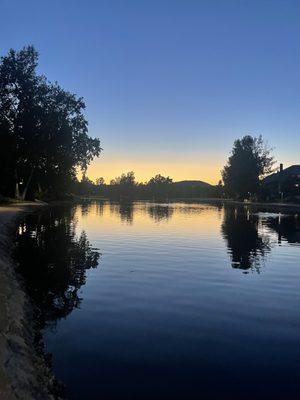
[284, 183]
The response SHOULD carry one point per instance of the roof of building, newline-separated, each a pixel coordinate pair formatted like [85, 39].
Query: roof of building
[283, 175]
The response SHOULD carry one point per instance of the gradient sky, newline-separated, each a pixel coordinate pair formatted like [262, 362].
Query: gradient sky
[169, 84]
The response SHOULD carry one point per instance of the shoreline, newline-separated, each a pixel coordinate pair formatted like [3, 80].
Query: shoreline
[209, 200]
[24, 371]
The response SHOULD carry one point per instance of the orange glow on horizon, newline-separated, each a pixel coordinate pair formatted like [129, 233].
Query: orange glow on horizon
[205, 170]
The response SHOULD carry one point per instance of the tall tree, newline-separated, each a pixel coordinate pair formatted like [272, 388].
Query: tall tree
[42, 126]
[249, 162]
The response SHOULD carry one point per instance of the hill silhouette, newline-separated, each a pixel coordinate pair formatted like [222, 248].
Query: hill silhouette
[188, 184]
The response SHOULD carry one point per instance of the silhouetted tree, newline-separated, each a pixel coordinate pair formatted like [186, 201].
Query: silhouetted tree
[124, 185]
[219, 190]
[160, 186]
[43, 132]
[250, 161]
[87, 186]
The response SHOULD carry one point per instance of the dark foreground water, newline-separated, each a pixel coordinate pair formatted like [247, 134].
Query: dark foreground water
[167, 301]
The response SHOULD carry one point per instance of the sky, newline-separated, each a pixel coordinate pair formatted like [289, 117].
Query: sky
[170, 84]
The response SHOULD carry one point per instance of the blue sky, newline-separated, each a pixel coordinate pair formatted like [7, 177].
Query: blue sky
[170, 84]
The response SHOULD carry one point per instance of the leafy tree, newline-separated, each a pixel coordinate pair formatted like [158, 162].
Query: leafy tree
[18, 84]
[86, 186]
[249, 162]
[160, 185]
[160, 180]
[125, 179]
[124, 185]
[43, 132]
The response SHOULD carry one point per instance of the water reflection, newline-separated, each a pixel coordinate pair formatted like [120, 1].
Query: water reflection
[247, 246]
[127, 210]
[124, 210]
[166, 284]
[160, 212]
[85, 207]
[287, 228]
[53, 260]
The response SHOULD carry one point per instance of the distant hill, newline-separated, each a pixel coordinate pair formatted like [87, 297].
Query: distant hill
[195, 184]
[193, 189]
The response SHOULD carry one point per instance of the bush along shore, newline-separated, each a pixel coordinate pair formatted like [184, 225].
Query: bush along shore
[25, 370]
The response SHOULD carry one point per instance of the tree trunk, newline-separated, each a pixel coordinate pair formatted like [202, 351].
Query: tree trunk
[39, 187]
[17, 191]
[27, 184]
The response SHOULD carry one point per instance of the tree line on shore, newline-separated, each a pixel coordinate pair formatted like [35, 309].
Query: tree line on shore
[158, 187]
[44, 141]
[242, 178]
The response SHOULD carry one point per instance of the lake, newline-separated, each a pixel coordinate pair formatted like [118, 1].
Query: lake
[174, 301]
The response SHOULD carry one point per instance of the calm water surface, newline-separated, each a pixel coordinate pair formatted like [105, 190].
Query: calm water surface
[174, 301]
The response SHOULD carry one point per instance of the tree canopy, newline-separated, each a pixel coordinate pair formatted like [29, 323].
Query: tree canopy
[249, 162]
[160, 186]
[43, 131]
[160, 180]
[124, 185]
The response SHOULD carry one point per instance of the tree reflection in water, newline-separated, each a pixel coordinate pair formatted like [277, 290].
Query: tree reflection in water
[160, 212]
[53, 260]
[287, 228]
[126, 212]
[124, 209]
[247, 247]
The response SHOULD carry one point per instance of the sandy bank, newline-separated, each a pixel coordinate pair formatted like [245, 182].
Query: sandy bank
[23, 371]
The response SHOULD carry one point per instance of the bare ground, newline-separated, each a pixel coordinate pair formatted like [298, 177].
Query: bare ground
[24, 374]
